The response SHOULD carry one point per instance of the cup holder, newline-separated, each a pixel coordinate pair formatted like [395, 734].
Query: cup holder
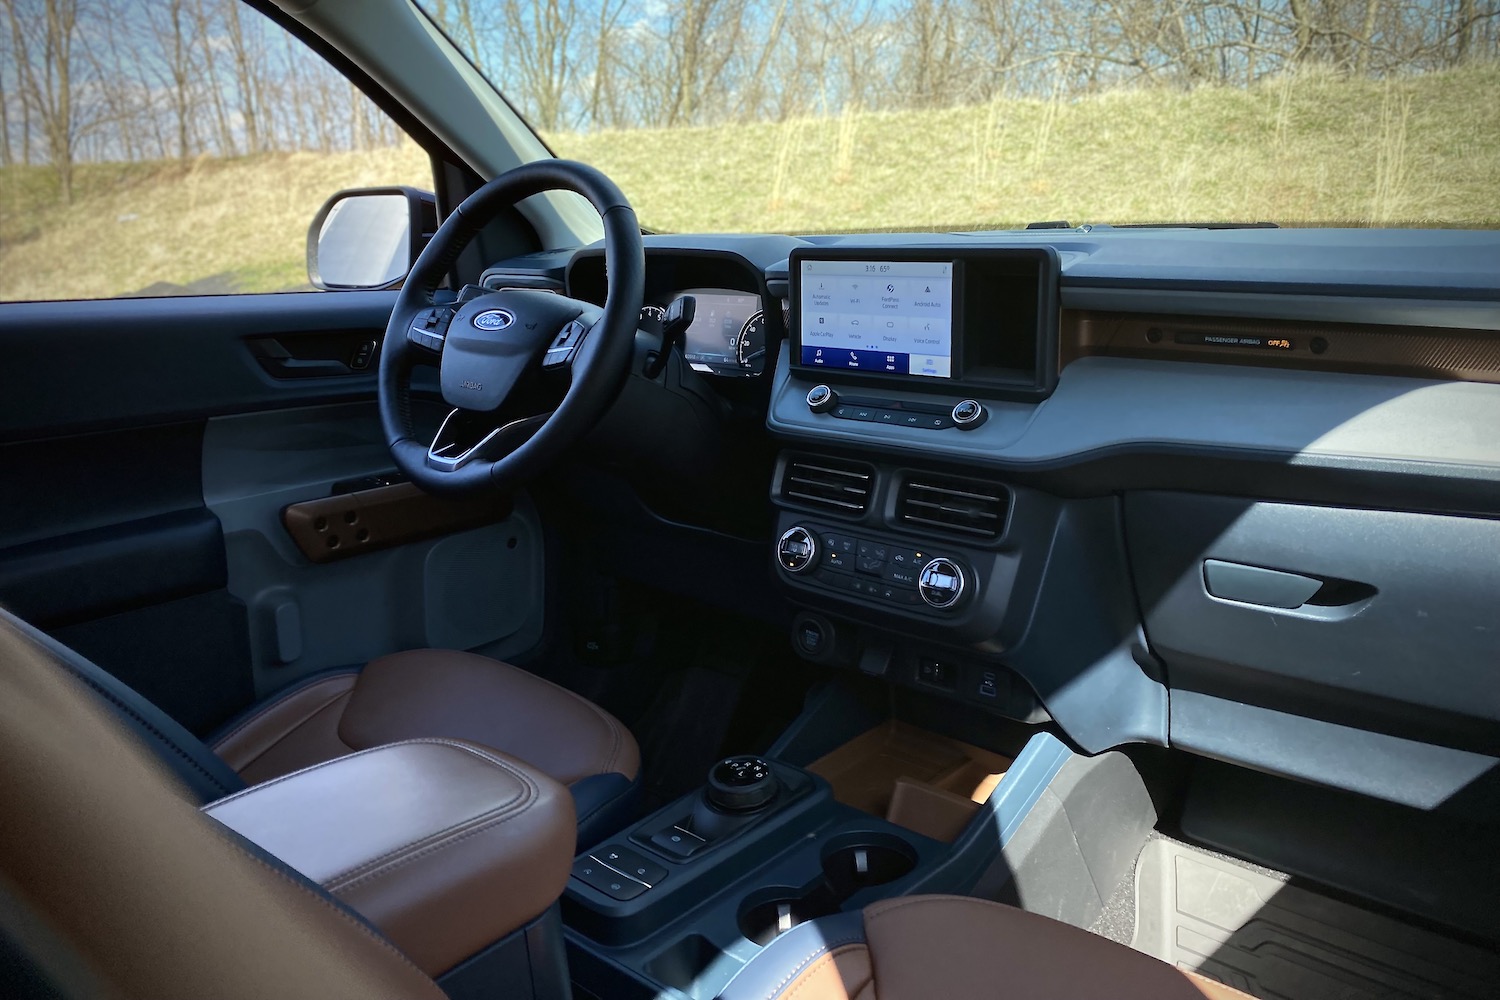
[851, 862]
[769, 913]
[858, 861]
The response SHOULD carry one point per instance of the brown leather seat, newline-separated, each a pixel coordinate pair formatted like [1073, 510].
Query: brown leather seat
[112, 884]
[430, 693]
[957, 948]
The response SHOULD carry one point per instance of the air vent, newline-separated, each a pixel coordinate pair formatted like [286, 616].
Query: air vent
[958, 506]
[829, 484]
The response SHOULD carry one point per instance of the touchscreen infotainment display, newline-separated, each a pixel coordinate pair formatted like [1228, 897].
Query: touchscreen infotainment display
[878, 316]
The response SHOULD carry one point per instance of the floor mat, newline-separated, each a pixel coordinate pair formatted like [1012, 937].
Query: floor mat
[1259, 932]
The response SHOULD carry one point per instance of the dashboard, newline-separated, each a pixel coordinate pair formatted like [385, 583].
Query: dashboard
[1232, 491]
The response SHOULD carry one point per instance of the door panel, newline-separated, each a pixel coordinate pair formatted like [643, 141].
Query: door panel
[76, 366]
[481, 588]
[148, 448]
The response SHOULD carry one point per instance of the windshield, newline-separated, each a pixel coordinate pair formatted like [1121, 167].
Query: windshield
[827, 115]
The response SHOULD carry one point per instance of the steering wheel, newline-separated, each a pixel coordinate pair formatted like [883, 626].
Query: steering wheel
[503, 353]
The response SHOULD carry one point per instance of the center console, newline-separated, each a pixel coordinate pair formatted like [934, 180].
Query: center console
[686, 896]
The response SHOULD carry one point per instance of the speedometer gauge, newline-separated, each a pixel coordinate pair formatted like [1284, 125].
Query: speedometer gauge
[750, 347]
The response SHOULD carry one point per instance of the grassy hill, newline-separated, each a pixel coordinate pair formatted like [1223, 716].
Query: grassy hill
[1314, 149]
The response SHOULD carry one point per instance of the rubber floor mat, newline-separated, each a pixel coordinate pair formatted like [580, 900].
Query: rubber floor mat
[1256, 931]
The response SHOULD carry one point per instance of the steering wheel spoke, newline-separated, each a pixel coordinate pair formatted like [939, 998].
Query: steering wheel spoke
[454, 446]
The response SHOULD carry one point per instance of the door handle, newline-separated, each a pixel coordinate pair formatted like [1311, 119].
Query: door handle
[1275, 588]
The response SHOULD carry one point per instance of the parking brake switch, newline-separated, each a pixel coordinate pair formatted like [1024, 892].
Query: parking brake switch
[673, 331]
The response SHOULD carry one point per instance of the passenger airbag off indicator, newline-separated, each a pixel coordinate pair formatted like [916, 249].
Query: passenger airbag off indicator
[1199, 338]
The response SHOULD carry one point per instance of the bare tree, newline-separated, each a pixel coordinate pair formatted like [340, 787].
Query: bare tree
[43, 40]
[541, 38]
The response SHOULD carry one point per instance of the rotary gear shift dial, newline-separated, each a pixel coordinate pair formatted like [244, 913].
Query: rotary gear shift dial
[741, 784]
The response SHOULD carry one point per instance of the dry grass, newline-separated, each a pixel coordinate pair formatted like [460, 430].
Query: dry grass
[1311, 150]
[135, 225]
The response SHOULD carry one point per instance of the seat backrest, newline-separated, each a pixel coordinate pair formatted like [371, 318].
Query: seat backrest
[204, 775]
[112, 882]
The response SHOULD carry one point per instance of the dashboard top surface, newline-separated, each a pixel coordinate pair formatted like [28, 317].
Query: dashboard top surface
[1433, 264]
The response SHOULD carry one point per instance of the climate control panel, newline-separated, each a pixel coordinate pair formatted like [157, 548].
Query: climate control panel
[865, 566]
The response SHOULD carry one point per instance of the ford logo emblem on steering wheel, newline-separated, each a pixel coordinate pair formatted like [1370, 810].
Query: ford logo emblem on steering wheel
[494, 319]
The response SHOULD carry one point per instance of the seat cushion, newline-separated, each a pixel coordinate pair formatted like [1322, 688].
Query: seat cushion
[919, 947]
[430, 693]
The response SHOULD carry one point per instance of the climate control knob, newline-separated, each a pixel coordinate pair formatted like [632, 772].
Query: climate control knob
[797, 549]
[941, 583]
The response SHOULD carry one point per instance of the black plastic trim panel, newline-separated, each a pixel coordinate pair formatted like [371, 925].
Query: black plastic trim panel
[77, 366]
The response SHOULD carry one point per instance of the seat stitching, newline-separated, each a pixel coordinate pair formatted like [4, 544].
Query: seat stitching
[390, 862]
[610, 722]
[109, 696]
[440, 839]
[330, 763]
[279, 700]
[397, 864]
[824, 948]
[327, 904]
[832, 956]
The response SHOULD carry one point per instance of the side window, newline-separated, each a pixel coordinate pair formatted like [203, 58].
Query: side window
[177, 147]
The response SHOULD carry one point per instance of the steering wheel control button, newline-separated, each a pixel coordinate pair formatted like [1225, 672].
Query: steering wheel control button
[968, 414]
[941, 583]
[565, 345]
[428, 328]
[821, 399]
[796, 550]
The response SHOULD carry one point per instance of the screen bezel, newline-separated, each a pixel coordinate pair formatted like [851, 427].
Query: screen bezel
[1034, 384]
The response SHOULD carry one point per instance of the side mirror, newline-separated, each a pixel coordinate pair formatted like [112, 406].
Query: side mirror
[369, 237]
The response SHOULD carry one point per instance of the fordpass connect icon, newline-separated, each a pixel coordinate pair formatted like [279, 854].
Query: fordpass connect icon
[494, 319]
